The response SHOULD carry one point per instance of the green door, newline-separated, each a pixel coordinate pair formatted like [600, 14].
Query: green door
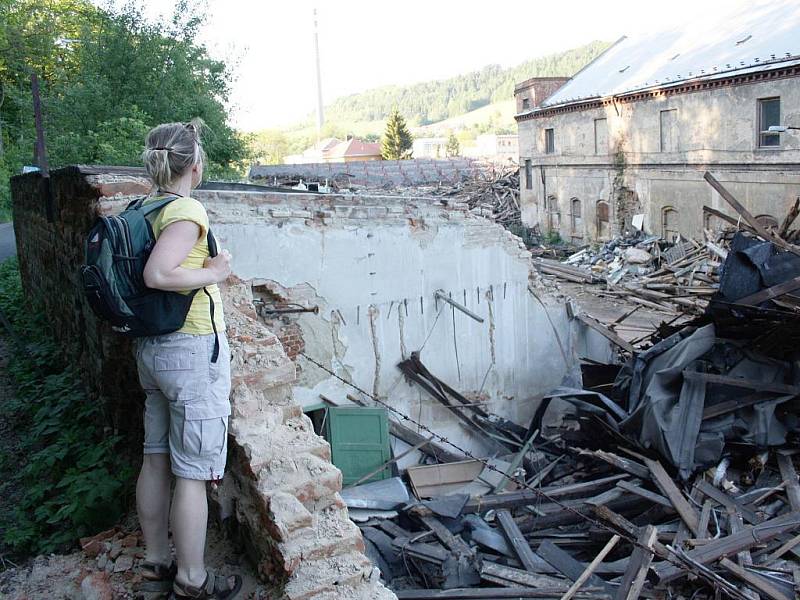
[359, 439]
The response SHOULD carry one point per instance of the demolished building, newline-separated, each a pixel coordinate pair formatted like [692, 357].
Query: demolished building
[633, 132]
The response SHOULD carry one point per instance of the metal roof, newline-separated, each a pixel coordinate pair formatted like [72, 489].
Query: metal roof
[753, 38]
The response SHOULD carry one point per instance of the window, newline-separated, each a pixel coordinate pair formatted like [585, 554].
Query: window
[769, 114]
[526, 103]
[600, 136]
[669, 223]
[549, 141]
[603, 227]
[528, 174]
[576, 223]
[669, 130]
[553, 216]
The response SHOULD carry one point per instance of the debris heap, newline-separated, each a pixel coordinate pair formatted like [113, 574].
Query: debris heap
[671, 475]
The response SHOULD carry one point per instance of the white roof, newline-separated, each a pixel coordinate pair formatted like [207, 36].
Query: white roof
[753, 38]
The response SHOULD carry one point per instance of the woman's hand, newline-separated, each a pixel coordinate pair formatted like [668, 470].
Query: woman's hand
[220, 265]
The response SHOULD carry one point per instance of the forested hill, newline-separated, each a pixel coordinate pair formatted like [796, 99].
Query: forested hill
[433, 101]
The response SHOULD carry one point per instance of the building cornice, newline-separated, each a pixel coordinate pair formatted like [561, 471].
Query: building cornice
[688, 87]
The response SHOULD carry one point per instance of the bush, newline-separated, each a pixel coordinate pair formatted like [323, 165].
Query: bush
[72, 476]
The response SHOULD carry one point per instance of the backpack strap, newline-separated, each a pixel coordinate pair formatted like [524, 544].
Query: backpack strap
[212, 252]
[154, 206]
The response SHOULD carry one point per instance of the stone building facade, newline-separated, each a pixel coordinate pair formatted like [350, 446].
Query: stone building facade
[634, 132]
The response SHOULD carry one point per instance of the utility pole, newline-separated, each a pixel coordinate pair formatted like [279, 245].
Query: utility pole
[320, 115]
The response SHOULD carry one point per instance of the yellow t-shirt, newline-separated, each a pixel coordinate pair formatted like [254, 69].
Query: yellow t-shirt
[198, 320]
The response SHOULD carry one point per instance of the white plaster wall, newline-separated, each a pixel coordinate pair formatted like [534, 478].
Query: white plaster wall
[375, 280]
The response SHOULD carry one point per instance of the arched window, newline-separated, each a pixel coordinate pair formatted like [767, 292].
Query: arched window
[767, 221]
[669, 223]
[603, 220]
[576, 221]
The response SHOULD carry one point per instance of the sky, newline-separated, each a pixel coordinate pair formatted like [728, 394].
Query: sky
[369, 43]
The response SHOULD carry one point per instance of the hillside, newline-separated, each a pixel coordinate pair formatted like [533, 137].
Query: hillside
[432, 101]
[469, 104]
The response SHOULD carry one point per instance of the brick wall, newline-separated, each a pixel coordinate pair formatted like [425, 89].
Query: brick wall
[280, 494]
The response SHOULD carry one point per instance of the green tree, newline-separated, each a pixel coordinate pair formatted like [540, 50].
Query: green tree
[396, 143]
[453, 148]
[107, 76]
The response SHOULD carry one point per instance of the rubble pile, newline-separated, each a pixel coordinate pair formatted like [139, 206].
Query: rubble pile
[672, 475]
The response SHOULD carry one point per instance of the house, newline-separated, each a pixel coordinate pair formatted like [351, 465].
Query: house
[635, 130]
[502, 147]
[429, 147]
[332, 150]
[352, 150]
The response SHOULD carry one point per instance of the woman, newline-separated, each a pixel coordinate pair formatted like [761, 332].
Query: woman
[187, 406]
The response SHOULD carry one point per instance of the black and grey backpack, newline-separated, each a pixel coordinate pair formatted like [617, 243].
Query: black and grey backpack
[117, 249]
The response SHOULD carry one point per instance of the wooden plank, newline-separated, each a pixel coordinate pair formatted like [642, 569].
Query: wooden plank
[605, 332]
[729, 503]
[516, 539]
[487, 593]
[640, 491]
[568, 566]
[754, 580]
[453, 542]
[671, 491]
[705, 517]
[786, 547]
[726, 406]
[590, 569]
[731, 544]
[624, 464]
[640, 561]
[789, 475]
[728, 219]
[509, 576]
[771, 292]
[750, 384]
[745, 214]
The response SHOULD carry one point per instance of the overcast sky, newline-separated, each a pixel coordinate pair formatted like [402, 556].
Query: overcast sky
[368, 43]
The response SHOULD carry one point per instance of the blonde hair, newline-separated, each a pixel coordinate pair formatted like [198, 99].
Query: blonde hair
[171, 148]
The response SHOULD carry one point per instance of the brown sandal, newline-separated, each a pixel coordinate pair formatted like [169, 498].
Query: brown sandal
[213, 588]
[157, 577]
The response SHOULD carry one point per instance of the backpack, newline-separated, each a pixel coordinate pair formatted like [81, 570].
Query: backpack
[117, 249]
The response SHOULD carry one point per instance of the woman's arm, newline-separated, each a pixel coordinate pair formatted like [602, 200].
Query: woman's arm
[163, 270]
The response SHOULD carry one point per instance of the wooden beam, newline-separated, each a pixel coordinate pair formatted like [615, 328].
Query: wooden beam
[789, 475]
[633, 580]
[640, 491]
[771, 292]
[605, 332]
[731, 544]
[568, 566]
[516, 539]
[589, 571]
[750, 384]
[509, 577]
[676, 497]
[729, 503]
[792, 543]
[750, 219]
[754, 580]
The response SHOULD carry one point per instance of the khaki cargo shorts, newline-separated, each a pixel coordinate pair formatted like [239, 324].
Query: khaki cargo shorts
[187, 406]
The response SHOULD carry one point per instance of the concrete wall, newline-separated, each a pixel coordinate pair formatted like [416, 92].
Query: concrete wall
[715, 129]
[372, 265]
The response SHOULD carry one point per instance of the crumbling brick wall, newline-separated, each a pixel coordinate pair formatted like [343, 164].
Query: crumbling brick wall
[280, 495]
